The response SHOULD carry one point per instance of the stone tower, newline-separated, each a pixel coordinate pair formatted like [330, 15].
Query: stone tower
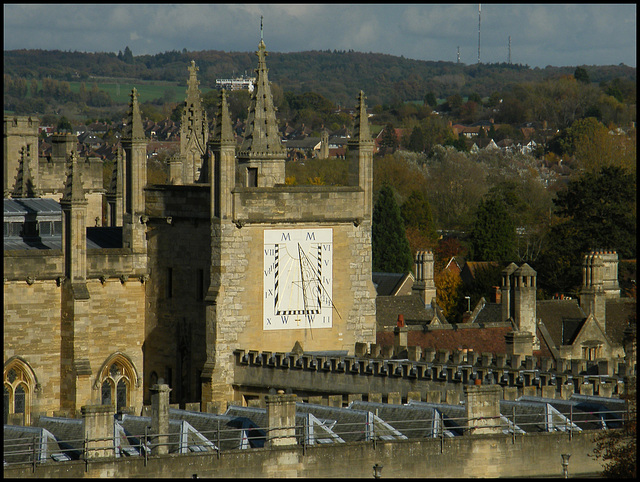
[76, 313]
[277, 251]
[194, 131]
[424, 285]
[592, 293]
[261, 156]
[19, 132]
[134, 146]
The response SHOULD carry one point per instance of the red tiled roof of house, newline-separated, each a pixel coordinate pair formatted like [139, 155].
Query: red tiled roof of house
[488, 339]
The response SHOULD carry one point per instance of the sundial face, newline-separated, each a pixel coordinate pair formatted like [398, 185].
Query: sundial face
[298, 279]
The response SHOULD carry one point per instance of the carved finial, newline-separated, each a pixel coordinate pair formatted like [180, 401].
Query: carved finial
[73, 189]
[134, 129]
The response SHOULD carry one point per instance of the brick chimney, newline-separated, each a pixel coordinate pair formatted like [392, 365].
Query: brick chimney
[400, 335]
[497, 294]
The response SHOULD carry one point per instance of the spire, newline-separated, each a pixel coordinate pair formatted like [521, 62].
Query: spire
[24, 186]
[361, 123]
[262, 139]
[73, 188]
[133, 129]
[194, 129]
[222, 129]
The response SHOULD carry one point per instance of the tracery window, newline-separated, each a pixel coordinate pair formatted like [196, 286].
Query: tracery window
[115, 382]
[19, 385]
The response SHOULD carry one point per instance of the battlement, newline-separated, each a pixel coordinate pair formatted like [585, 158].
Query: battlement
[377, 370]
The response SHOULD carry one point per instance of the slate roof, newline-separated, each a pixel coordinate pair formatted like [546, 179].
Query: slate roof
[35, 206]
[561, 318]
[618, 313]
[490, 313]
[304, 143]
[207, 424]
[585, 413]
[351, 425]
[97, 238]
[17, 444]
[134, 428]
[389, 307]
[387, 284]
[68, 432]
[453, 415]
[410, 420]
[564, 318]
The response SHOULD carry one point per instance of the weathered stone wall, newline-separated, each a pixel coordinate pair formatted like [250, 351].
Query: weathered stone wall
[117, 325]
[532, 455]
[302, 204]
[19, 132]
[52, 176]
[41, 264]
[175, 322]
[32, 331]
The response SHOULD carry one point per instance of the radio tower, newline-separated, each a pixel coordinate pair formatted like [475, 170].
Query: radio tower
[479, 11]
[509, 61]
[458, 54]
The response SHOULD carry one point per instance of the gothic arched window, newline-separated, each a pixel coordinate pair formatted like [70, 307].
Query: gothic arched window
[19, 386]
[115, 382]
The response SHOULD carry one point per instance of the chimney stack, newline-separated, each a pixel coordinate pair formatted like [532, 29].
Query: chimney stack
[424, 285]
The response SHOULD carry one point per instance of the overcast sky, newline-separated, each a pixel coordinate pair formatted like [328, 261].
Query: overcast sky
[541, 35]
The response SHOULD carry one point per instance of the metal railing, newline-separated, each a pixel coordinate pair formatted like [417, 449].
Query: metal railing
[20, 451]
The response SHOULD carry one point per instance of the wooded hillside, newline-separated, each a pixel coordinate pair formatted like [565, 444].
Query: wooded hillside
[336, 75]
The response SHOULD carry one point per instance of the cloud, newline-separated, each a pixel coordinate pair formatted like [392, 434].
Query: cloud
[550, 34]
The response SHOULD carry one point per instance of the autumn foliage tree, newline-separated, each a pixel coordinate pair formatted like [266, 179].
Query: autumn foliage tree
[618, 448]
[449, 292]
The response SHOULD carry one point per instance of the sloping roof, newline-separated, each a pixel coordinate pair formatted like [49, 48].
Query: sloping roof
[69, 433]
[305, 143]
[490, 313]
[410, 306]
[17, 440]
[97, 238]
[388, 284]
[207, 424]
[488, 339]
[554, 313]
[411, 420]
[618, 313]
[37, 206]
[351, 425]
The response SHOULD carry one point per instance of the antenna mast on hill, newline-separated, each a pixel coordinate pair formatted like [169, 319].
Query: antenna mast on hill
[509, 61]
[479, 11]
[458, 54]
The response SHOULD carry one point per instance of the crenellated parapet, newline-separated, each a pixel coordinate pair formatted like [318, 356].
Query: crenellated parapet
[426, 371]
